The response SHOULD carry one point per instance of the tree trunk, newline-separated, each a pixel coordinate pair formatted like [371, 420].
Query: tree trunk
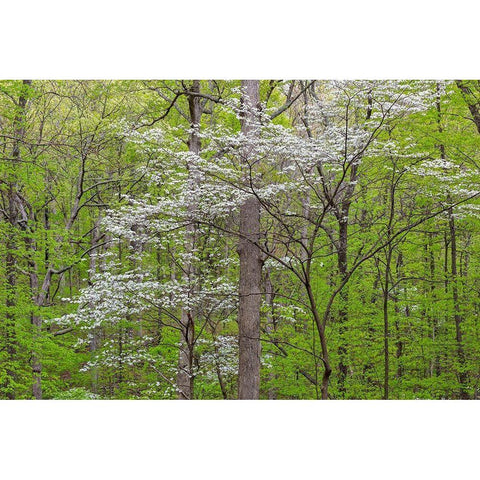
[250, 264]
[456, 308]
[343, 309]
[13, 216]
[327, 372]
[271, 325]
[435, 363]
[95, 333]
[386, 290]
[185, 375]
[386, 325]
[398, 313]
[472, 102]
[343, 213]
[462, 376]
[36, 322]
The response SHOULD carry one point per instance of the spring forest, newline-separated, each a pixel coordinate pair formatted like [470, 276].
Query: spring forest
[254, 239]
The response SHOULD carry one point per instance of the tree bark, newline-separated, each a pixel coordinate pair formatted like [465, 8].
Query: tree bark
[462, 375]
[472, 103]
[327, 372]
[398, 313]
[343, 310]
[185, 374]
[271, 325]
[250, 263]
[95, 333]
[386, 326]
[456, 308]
[13, 220]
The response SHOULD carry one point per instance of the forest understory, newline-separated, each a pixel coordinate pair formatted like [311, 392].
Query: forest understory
[254, 239]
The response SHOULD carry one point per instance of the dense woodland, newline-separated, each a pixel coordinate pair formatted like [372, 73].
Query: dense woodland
[207, 239]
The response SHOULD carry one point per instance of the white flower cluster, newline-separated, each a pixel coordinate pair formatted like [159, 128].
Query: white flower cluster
[220, 353]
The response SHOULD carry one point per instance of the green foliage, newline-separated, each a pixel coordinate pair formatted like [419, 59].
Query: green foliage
[76, 152]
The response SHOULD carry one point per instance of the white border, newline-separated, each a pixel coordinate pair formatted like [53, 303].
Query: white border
[238, 440]
[252, 38]
[249, 39]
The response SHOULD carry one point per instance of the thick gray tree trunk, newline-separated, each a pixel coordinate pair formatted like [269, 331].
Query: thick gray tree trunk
[250, 263]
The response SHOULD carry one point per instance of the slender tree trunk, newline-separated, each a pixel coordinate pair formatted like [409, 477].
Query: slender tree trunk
[342, 252]
[386, 290]
[453, 250]
[435, 363]
[456, 308]
[386, 325]
[185, 374]
[95, 333]
[10, 327]
[327, 372]
[271, 326]
[343, 310]
[398, 313]
[36, 322]
[250, 264]
[472, 102]
[218, 370]
[40, 297]
[13, 217]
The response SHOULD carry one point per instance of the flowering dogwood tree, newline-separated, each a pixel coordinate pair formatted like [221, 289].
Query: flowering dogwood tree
[269, 230]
